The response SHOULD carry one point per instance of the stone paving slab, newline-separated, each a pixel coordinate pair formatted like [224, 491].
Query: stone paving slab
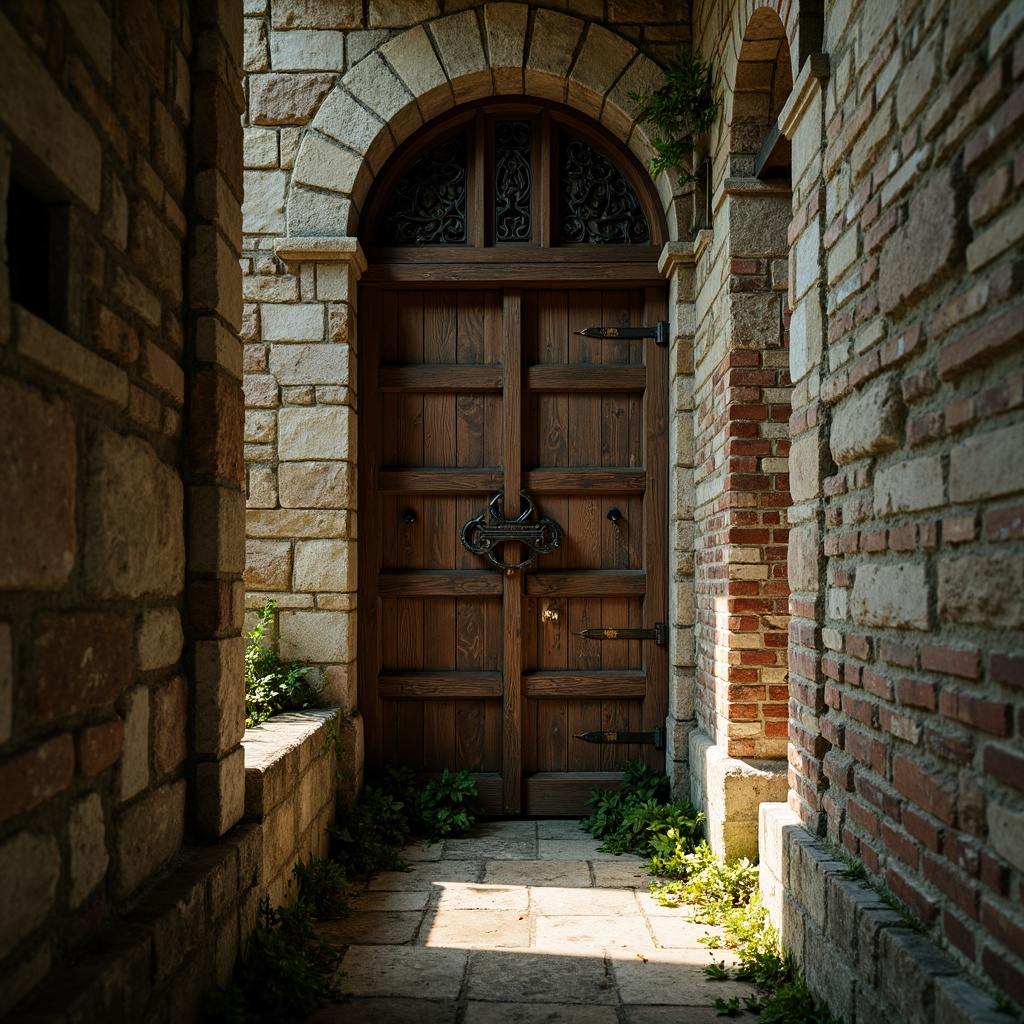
[428, 876]
[592, 934]
[538, 1013]
[471, 929]
[521, 923]
[457, 896]
[526, 977]
[579, 849]
[417, 971]
[549, 901]
[672, 976]
[373, 928]
[535, 873]
[388, 1011]
[379, 902]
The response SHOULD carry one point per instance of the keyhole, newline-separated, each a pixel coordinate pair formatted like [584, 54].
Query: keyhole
[614, 516]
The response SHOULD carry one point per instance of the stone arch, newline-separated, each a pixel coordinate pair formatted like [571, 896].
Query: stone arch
[503, 49]
[761, 82]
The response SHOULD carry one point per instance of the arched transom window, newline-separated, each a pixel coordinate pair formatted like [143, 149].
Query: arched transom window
[513, 175]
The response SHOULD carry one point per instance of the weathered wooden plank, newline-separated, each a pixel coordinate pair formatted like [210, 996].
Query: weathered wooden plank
[620, 684]
[440, 481]
[588, 583]
[441, 377]
[565, 793]
[431, 582]
[572, 377]
[576, 480]
[438, 685]
[512, 645]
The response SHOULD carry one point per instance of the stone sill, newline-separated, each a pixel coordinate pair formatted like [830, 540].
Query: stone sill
[277, 752]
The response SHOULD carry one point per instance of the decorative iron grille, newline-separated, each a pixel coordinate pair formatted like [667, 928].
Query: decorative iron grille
[428, 206]
[598, 205]
[513, 181]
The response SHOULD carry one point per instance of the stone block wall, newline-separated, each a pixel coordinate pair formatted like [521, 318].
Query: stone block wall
[877, 968]
[185, 932]
[121, 704]
[909, 751]
[905, 653]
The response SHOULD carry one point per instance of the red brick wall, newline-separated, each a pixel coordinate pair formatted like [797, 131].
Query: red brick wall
[906, 654]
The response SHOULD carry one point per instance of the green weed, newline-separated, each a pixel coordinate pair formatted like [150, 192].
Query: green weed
[273, 686]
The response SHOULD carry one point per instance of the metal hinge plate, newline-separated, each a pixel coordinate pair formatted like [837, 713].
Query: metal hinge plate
[659, 634]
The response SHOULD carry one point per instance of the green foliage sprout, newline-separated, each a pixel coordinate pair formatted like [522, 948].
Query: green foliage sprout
[680, 110]
[273, 686]
[636, 817]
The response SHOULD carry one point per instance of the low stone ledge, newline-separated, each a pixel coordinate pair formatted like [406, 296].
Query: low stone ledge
[277, 753]
[188, 929]
[855, 950]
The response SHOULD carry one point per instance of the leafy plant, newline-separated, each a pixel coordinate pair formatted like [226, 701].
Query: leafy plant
[636, 817]
[287, 973]
[322, 884]
[716, 970]
[697, 876]
[370, 836]
[680, 110]
[449, 805]
[272, 685]
[728, 1008]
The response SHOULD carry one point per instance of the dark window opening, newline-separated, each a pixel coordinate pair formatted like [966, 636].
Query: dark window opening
[29, 250]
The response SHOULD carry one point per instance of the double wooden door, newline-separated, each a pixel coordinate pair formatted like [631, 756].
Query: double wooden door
[466, 393]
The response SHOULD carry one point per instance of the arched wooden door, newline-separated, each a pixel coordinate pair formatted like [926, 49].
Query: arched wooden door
[477, 398]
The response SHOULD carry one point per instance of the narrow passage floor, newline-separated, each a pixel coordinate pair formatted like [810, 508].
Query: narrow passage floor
[522, 922]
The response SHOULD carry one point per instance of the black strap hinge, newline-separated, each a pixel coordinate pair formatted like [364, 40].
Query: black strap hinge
[659, 634]
[657, 737]
[659, 332]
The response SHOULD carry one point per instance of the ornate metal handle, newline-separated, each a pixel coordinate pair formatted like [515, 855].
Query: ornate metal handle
[484, 537]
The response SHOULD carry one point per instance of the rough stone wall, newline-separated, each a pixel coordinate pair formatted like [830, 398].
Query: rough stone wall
[905, 555]
[120, 416]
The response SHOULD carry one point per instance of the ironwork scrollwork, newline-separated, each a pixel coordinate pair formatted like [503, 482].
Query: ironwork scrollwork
[487, 532]
[428, 206]
[598, 203]
[513, 182]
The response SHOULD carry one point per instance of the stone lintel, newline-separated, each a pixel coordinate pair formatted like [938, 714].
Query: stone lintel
[812, 77]
[339, 249]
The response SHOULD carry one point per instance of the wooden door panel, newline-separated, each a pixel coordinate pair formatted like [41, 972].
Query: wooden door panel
[462, 666]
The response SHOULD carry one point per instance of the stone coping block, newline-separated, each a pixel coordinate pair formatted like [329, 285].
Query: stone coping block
[898, 971]
[730, 791]
[277, 752]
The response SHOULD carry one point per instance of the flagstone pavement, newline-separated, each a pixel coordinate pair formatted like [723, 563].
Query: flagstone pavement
[521, 922]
